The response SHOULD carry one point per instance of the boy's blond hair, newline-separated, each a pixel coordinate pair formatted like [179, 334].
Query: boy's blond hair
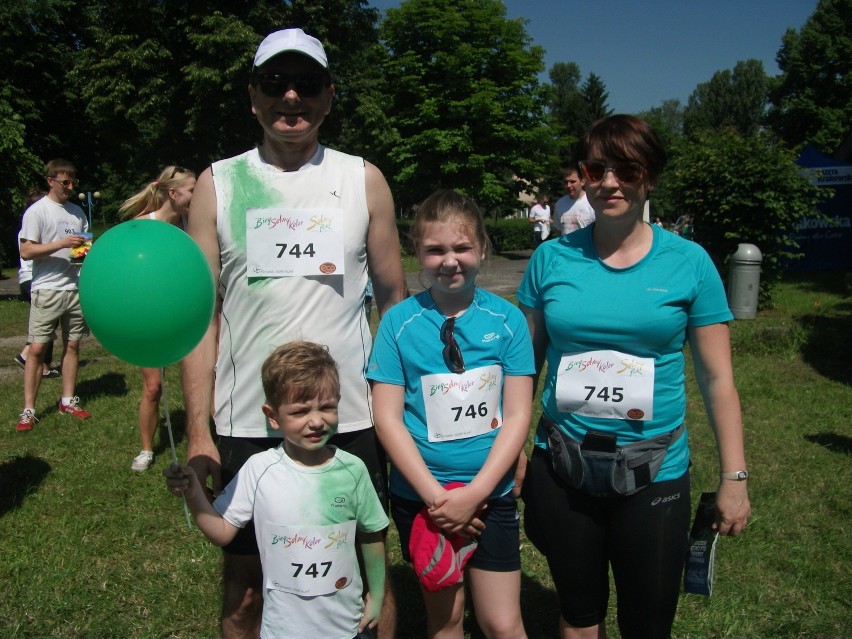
[298, 372]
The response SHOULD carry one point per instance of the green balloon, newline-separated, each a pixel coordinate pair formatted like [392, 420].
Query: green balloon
[147, 292]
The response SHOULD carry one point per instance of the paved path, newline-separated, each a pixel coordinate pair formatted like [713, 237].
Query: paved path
[9, 287]
[500, 275]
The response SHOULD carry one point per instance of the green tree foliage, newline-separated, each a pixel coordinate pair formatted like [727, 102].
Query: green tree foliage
[667, 120]
[567, 108]
[217, 117]
[730, 99]
[567, 118]
[743, 189]
[129, 75]
[812, 98]
[350, 29]
[123, 88]
[595, 97]
[18, 166]
[37, 41]
[572, 109]
[465, 109]
[574, 106]
[166, 81]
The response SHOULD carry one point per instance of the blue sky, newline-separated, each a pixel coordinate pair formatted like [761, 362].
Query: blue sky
[647, 51]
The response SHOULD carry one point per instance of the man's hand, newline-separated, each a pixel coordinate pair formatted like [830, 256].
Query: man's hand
[73, 241]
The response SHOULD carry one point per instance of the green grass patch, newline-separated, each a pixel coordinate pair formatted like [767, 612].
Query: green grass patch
[94, 550]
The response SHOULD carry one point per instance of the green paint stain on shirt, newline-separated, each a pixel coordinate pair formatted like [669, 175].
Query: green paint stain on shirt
[249, 191]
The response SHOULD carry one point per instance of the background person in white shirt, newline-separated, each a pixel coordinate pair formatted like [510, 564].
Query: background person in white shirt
[51, 228]
[540, 219]
[573, 210]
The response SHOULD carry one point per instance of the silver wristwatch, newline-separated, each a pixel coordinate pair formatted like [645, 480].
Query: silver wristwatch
[737, 475]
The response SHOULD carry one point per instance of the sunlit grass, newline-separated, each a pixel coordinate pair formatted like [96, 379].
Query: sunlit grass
[94, 550]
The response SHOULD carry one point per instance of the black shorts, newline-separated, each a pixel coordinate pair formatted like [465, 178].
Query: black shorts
[642, 537]
[235, 451]
[498, 549]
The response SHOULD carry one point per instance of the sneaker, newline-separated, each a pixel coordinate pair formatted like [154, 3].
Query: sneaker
[20, 361]
[73, 408]
[51, 373]
[26, 421]
[142, 461]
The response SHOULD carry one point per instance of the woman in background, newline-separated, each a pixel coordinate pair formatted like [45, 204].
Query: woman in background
[165, 199]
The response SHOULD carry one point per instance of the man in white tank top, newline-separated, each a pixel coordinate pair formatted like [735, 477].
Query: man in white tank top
[290, 230]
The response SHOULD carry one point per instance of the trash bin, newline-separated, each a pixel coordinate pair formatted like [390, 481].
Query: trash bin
[744, 281]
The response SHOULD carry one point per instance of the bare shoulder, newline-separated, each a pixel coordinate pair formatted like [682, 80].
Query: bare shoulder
[379, 198]
[202, 208]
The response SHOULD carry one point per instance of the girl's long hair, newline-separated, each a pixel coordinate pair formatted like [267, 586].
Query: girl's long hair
[155, 193]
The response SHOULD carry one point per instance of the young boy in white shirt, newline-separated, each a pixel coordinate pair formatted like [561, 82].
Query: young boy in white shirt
[311, 506]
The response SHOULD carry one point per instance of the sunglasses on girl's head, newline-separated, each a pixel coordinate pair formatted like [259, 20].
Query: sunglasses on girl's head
[624, 172]
[274, 85]
[452, 353]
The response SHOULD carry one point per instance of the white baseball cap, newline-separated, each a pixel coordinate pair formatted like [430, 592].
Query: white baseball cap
[290, 40]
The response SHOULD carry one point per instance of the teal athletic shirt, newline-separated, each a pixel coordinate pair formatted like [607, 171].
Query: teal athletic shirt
[408, 347]
[643, 310]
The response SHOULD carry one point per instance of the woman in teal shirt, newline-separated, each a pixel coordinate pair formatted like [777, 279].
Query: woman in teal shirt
[609, 308]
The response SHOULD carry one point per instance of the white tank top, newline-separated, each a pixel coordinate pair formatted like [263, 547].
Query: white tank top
[259, 314]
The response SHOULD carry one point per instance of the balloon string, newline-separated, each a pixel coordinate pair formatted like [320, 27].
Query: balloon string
[171, 438]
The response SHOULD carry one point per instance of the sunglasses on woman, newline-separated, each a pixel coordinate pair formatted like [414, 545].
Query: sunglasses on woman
[624, 172]
[274, 85]
[452, 353]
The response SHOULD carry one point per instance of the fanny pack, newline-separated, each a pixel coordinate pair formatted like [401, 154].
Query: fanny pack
[598, 467]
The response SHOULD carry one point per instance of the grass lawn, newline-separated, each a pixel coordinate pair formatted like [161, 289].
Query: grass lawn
[92, 549]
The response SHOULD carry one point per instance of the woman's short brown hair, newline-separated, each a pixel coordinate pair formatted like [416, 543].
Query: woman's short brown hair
[624, 138]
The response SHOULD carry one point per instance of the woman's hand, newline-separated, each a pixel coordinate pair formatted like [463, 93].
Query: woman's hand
[732, 507]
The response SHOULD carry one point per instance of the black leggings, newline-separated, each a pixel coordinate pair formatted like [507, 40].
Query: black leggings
[643, 537]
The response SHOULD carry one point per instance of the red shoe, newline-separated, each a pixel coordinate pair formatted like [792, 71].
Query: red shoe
[26, 421]
[73, 408]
